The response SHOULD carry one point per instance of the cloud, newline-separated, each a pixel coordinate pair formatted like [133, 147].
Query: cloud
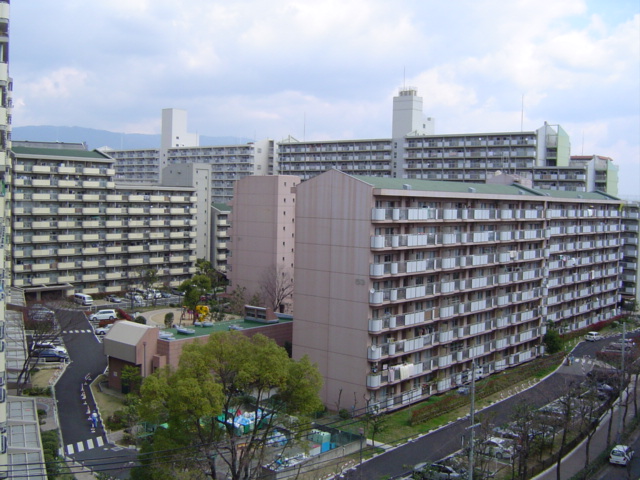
[329, 68]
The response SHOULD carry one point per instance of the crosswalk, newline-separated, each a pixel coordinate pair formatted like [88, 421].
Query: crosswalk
[80, 330]
[88, 444]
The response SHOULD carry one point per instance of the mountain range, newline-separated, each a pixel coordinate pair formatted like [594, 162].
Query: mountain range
[103, 138]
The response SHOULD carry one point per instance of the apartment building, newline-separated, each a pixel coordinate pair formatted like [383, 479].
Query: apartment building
[221, 213]
[75, 229]
[415, 152]
[631, 238]
[21, 453]
[263, 226]
[228, 163]
[5, 226]
[403, 284]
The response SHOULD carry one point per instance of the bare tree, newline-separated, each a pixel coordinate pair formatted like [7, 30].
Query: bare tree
[567, 405]
[277, 287]
[589, 409]
[42, 327]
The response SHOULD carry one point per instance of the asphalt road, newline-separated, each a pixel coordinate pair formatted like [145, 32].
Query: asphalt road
[447, 440]
[79, 440]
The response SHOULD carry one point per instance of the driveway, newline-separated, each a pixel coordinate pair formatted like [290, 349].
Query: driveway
[75, 403]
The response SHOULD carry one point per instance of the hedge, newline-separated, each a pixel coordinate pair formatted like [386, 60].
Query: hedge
[484, 388]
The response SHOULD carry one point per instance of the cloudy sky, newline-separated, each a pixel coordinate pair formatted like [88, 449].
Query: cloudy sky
[328, 69]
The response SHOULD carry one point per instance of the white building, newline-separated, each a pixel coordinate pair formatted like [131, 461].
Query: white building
[75, 229]
[21, 453]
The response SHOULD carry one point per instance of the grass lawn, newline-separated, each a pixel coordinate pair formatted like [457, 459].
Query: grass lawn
[42, 377]
[398, 428]
[108, 401]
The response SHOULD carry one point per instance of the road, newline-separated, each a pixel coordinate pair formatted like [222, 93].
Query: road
[447, 440]
[81, 442]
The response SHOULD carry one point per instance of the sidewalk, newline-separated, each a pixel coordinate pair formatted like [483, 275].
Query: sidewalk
[575, 461]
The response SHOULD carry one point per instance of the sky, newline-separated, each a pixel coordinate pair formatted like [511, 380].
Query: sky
[329, 69]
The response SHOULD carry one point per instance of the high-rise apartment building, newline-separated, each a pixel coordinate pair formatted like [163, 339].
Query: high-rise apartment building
[228, 163]
[263, 227]
[631, 239]
[5, 225]
[221, 213]
[402, 284]
[20, 444]
[75, 229]
[415, 152]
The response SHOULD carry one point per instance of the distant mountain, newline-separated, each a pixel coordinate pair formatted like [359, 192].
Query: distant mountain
[101, 138]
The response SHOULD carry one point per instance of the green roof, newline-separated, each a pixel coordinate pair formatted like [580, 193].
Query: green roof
[463, 187]
[223, 207]
[55, 152]
[224, 326]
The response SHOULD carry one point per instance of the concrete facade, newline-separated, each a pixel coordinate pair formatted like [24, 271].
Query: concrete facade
[401, 284]
[76, 230]
[263, 234]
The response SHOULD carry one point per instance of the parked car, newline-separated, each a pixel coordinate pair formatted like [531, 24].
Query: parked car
[501, 448]
[51, 355]
[593, 337]
[435, 471]
[114, 299]
[49, 346]
[166, 294]
[106, 314]
[136, 297]
[620, 455]
[103, 330]
[38, 311]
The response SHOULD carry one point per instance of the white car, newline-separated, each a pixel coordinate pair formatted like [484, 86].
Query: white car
[621, 455]
[103, 330]
[497, 447]
[107, 314]
[593, 337]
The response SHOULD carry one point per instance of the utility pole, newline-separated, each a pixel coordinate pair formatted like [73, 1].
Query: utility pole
[472, 419]
[624, 354]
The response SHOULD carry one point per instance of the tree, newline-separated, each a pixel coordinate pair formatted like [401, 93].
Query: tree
[131, 378]
[237, 300]
[43, 327]
[276, 286]
[552, 341]
[205, 267]
[168, 319]
[148, 278]
[214, 383]
[567, 404]
[194, 289]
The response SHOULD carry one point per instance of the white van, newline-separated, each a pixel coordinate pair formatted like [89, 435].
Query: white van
[107, 314]
[83, 299]
[592, 337]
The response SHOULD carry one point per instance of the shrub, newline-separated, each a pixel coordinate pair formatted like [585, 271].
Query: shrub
[122, 314]
[141, 320]
[37, 391]
[116, 421]
[168, 319]
[344, 413]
